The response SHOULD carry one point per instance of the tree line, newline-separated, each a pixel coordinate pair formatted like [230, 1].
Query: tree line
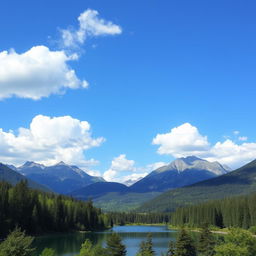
[122, 218]
[39, 212]
[230, 212]
[237, 242]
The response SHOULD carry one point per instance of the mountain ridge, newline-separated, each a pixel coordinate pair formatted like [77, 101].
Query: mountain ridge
[238, 182]
[61, 178]
[112, 197]
[13, 177]
[180, 172]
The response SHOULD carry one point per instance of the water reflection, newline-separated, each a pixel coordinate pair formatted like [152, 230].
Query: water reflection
[69, 244]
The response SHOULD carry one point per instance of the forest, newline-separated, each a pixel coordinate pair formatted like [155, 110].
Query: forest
[229, 212]
[123, 218]
[237, 242]
[38, 212]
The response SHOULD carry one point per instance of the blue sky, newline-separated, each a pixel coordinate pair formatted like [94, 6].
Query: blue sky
[182, 69]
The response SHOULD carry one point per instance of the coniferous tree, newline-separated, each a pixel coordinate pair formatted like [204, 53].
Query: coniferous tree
[37, 212]
[239, 211]
[171, 249]
[146, 247]
[17, 244]
[185, 245]
[86, 248]
[115, 247]
[48, 252]
[206, 242]
[237, 242]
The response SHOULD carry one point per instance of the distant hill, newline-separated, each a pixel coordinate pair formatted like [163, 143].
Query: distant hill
[122, 202]
[13, 177]
[239, 182]
[61, 178]
[112, 196]
[181, 172]
[99, 189]
[118, 197]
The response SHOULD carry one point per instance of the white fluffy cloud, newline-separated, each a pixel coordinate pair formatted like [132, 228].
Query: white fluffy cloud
[118, 164]
[180, 141]
[49, 140]
[37, 73]
[232, 154]
[185, 140]
[40, 72]
[89, 25]
[124, 170]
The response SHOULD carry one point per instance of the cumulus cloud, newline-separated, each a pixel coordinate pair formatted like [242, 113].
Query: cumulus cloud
[186, 140]
[37, 73]
[89, 25]
[181, 140]
[232, 154]
[124, 170]
[40, 72]
[49, 140]
[118, 164]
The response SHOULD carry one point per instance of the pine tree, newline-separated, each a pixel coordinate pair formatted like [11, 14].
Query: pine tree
[171, 249]
[86, 248]
[206, 242]
[17, 244]
[146, 248]
[48, 252]
[115, 247]
[184, 245]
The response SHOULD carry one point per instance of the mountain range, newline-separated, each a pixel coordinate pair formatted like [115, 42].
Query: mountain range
[13, 177]
[239, 182]
[60, 178]
[183, 182]
[179, 173]
[99, 189]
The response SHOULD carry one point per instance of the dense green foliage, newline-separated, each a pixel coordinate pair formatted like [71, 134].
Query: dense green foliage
[87, 249]
[38, 212]
[115, 246]
[48, 252]
[206, 242]
[185, 245]
[17, 244]
[171, 249]
[123, 218]
[238, 242]
[229, 212]
[239, 182]
[146, 247]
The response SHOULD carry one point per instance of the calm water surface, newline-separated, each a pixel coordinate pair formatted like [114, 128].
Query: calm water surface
[69, 244]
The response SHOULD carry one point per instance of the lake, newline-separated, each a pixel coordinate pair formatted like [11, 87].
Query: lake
[69, 244]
